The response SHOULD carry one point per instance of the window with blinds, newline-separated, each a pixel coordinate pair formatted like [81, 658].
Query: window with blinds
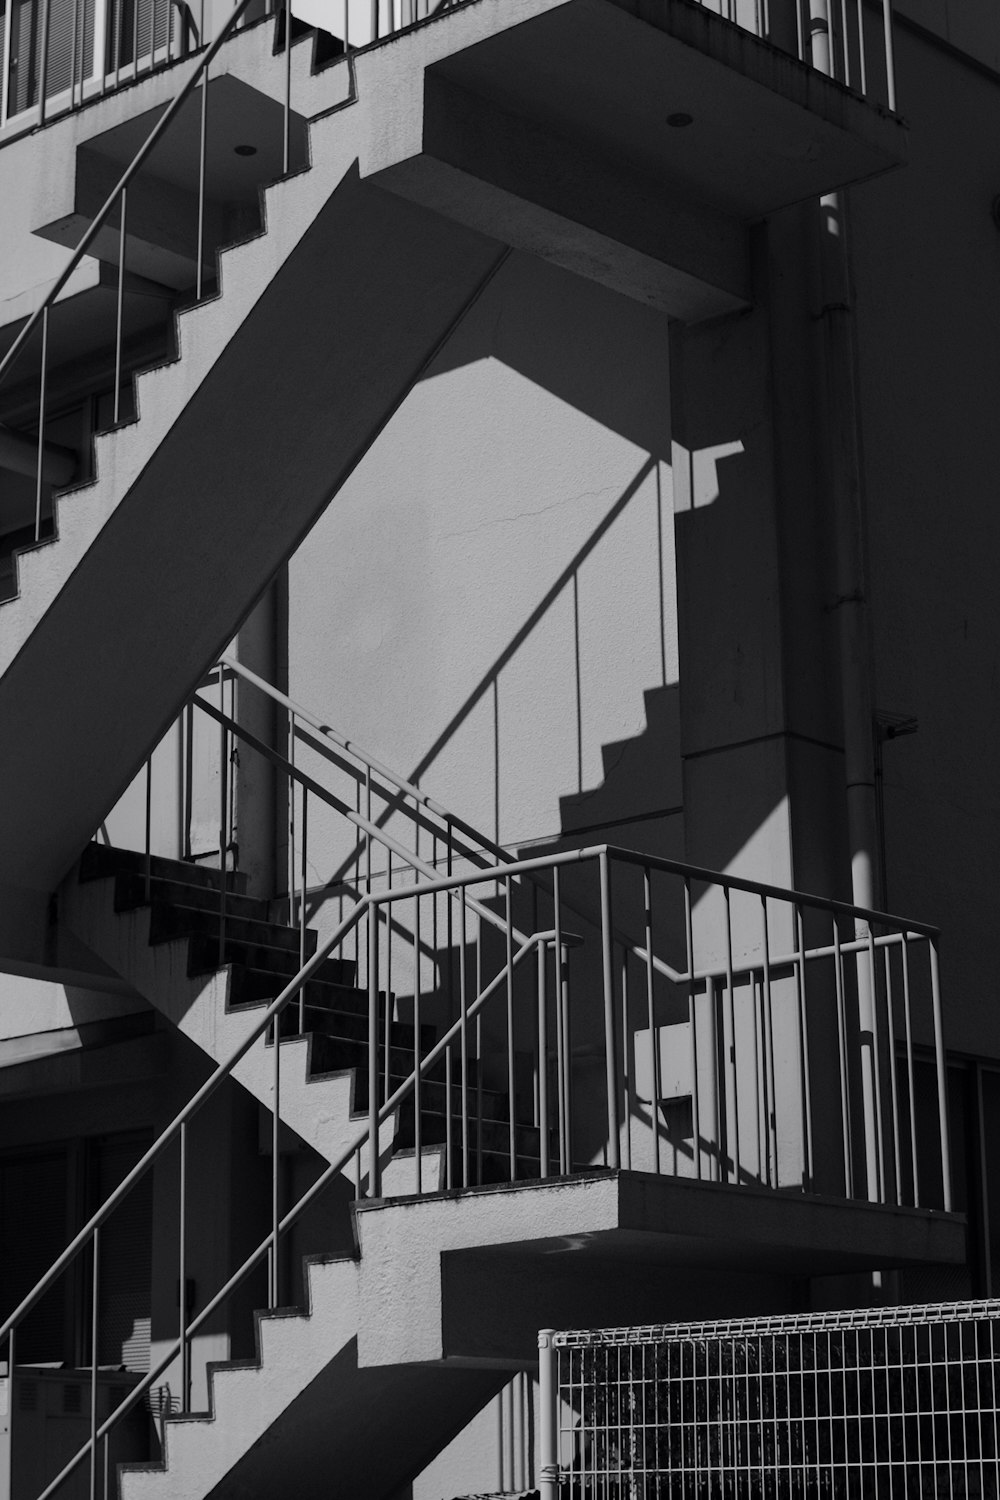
[125, 31]
[70, 49]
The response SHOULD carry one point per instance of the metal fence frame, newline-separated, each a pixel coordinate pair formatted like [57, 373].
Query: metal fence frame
[899, 1401]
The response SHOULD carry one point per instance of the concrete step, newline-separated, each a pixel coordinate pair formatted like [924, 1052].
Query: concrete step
[204, 958]
[252, 986]
[98, 861]
[131, 891]
[215, 441]
[169, 919]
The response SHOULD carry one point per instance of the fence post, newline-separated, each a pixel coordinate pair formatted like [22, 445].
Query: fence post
[548, 1426]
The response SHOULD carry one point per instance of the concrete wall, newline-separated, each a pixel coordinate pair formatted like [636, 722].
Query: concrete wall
[488, 603]
[969, 25]
[927, 274]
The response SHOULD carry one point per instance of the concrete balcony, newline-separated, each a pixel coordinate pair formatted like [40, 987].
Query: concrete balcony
[629, 141]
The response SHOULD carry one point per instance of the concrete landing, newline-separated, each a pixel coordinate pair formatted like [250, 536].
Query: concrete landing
[468, 1275]
[632, 141]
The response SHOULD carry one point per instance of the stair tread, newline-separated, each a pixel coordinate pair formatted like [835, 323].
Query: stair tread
[99, 861]
[130, 893]
[204, 958]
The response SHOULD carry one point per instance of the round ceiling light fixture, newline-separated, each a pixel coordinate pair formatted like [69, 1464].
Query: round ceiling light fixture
[245, 150]
[680, 119]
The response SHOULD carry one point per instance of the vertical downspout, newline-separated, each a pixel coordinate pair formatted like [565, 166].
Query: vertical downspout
[844, 480]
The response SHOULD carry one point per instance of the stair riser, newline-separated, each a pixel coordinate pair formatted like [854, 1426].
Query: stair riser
[204, 958]
[130, 894]
[99, 862]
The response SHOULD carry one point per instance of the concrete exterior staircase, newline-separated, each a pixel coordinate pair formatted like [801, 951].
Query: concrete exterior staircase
[167, 947]
[356, 1394]
[282, 381]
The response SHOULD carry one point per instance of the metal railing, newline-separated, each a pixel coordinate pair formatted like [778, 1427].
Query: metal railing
[111, 222]
[523, 1029]
[62, 54]
[724, 1000]
[514, 1029]
[830, 35]
[876, 1402]
[848, 40]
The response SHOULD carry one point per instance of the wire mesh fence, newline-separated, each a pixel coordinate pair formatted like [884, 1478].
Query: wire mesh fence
[887, 1402]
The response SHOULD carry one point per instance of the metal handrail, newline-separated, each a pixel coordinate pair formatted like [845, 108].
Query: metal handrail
[372, 830]
[366, 1133]
[371, 762]
[103, 213]
[696, 873]
[255, 1257]
[539, 941]
[224, 1069]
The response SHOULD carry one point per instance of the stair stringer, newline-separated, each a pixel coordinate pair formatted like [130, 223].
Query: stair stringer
[355, 1399]
[319, 1109]
[304, 1418]
[282, 383]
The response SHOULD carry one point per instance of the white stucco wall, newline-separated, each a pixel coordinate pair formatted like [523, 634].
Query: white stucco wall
[486, 602]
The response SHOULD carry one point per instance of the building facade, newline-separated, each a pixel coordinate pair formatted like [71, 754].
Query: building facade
[496, 551]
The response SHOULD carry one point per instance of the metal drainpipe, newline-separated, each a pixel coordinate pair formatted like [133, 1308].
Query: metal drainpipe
[844, 477]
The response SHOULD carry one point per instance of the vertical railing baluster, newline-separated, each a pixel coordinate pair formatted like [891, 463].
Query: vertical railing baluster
[543, 1060]
[558, 957]
[149, 831]
[95, 1304]
[388, 1018]
[449, 1061]
[286, 118]
[845, 43]
[374, 1171]
[942, 1078]
[890, 1011]
[40, 468]
[806, 1082]
[610, 1029]
[463, 1038]
[732, 1071]
[118, 7]
[202, 167]
[845, 1088]
[74, 44]
[770, 1081]
[223, 815]
[417, 1073]
[120, 305]
[12, 1394]
[626, 1065]
[890, 61]
[274, 1294]
[654, 1035]
[910, 1086]
[303, 874]
[43, 81]
[511, 1072]
[479, 1052]
[876, 1064]
[692, 1028]
[182, 1279]
[565, 1003]
[862, 49]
